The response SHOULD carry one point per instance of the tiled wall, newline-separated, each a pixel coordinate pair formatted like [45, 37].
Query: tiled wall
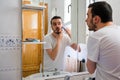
[10, 52]
[10, 42]
[10, 39]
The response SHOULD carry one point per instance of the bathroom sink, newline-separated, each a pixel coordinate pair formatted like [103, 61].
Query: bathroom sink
[46, 75]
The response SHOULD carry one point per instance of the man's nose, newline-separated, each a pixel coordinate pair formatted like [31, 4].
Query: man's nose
[57, 25]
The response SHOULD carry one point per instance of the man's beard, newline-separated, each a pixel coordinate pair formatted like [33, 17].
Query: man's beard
[93, 26]
[57, 31]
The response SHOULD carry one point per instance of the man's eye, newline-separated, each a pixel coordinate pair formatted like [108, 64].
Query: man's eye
[54, 24]
[59, 23]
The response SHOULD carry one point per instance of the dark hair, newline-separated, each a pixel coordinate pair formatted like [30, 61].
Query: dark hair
[101, 9]
[55, 17]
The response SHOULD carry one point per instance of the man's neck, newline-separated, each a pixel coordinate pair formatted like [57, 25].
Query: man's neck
[54, 34]
[101, 25]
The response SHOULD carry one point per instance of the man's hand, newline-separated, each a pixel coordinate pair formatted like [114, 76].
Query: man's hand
[76, 47]
[68, 31]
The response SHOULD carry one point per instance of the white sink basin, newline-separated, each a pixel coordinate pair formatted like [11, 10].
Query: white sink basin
[46, 75]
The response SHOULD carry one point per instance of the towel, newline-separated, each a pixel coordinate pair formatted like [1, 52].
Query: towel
[70, 59]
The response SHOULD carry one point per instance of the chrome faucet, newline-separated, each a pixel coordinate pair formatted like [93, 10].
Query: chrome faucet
[67, 77]
[56, 72]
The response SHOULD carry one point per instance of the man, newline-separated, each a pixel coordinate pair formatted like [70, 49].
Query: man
[104, 44]
[55, 46]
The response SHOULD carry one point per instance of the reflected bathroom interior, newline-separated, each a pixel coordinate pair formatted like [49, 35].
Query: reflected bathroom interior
[35, 25]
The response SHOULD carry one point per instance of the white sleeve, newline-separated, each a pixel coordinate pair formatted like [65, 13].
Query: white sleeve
[93, 49]
[47, 45]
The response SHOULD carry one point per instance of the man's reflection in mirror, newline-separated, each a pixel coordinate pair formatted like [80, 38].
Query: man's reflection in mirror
[54, 48]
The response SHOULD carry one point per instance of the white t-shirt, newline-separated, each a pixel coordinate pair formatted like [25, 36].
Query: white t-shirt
[104, 49]
[49, 64]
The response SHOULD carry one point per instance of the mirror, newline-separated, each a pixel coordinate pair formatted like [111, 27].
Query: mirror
[32, 57]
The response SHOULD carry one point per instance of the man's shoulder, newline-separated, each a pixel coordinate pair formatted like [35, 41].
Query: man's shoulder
[48, 35]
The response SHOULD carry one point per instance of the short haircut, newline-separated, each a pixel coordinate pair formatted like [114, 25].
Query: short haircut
[101, 9]
[55, 17]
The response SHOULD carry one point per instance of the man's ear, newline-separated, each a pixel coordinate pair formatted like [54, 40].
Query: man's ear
[96, 19]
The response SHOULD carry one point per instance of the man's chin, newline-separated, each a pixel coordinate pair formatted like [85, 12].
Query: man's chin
[57, 32]
[92, 29]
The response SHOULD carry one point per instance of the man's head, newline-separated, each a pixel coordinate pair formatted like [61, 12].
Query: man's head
[98, 12]
[56, 24]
